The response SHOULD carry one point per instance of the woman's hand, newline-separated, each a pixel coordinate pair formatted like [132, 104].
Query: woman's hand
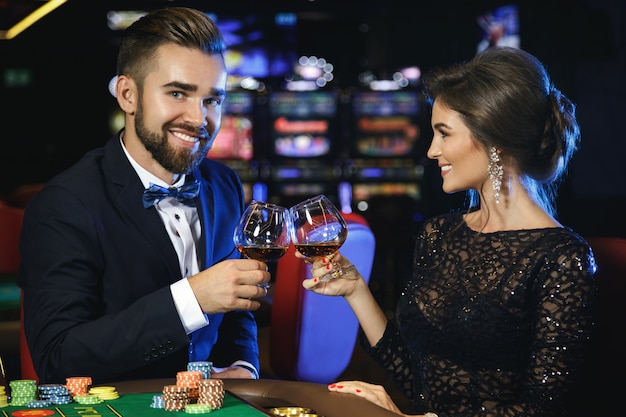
[373, 393]
[348, 282]
[333, 275]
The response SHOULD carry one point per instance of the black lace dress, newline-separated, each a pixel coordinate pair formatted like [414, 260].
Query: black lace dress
[491, 324]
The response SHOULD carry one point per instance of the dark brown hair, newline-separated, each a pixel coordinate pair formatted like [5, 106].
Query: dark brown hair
[507, 100]
[177, 25]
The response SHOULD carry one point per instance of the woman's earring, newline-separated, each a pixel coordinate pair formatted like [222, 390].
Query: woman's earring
[495, 171]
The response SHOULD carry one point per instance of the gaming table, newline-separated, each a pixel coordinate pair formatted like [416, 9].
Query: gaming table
[244, 398]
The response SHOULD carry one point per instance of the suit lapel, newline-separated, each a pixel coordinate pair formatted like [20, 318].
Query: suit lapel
[205, 205]
[126, 190]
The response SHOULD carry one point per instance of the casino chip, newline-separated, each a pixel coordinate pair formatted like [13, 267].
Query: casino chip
[189, 379]
[105, 393]
[157, 401]
[39, 404]
[26, 393]
[78, 385]
[55, 393]
[4, 398]
[211, 392]
[88, 399]
[198, 409]
[203, 366]
[23, 391]
[175, 397]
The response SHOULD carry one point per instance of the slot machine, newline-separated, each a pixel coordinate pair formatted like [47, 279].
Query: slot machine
[385, 171]
[234, 143]
[303, 146]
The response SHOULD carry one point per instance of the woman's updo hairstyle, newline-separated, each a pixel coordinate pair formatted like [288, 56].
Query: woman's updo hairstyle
[507, 100]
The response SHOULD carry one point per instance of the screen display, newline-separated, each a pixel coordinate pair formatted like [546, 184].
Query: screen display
[362, 192]
[500, 27]
[303, 123]
[259, 45]
[385, 124]
[234, 140]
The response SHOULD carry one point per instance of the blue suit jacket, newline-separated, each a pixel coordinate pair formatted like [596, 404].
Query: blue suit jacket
[96, 269]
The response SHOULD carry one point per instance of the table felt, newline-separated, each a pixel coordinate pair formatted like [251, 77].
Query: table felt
[135, 405]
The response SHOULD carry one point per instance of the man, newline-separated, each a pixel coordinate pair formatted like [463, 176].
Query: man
[119, 284]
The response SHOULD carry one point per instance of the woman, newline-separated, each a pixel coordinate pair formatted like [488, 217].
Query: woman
[495, 319]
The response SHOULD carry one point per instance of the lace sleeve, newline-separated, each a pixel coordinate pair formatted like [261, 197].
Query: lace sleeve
[391, 354]
[564, 295]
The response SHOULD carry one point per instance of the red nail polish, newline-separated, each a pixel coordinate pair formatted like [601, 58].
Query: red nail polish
[315, 279]
[324, 260]
[358, 390]
[332, 385]
[328, 266]
[339, 386]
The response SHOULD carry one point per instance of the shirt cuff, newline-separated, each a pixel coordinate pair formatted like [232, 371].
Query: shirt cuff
[248, 366]
[189, 311]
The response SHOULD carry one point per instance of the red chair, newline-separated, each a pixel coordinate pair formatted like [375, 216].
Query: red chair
[10, 228]
[312, 337]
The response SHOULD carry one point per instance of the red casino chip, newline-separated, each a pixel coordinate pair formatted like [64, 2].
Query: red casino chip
[32, 413]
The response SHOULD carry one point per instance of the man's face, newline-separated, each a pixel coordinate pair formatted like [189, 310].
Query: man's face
[180, 105]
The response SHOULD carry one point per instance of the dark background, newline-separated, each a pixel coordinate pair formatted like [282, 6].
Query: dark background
[63, 108]
[70, 56]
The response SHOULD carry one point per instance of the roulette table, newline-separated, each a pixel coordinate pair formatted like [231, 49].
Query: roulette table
[136, 404]
[243, 398]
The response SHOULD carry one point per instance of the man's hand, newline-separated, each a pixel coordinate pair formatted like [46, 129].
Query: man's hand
[230, 285]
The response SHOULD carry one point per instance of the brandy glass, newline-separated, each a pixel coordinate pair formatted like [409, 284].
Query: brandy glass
[263, 232]
[317, 228]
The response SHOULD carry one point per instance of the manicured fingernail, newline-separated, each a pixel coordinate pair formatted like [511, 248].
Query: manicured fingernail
[339, 386]
[315, 279]
[324, 260]
[358, 390]
[332, 385]
[329, 266]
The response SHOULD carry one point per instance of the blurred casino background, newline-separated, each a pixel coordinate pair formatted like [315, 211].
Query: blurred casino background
[324, 97]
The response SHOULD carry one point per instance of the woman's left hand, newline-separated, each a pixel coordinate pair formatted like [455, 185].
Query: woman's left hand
[373, 393]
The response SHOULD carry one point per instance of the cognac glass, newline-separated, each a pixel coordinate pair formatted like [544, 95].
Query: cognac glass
[263, 232]
[317, 227]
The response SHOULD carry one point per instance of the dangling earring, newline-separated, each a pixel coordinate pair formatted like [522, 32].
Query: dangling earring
[495, 171]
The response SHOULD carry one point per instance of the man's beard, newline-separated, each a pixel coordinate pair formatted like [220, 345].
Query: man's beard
[178, 161]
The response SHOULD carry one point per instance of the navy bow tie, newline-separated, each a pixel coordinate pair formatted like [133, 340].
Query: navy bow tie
[186, 194]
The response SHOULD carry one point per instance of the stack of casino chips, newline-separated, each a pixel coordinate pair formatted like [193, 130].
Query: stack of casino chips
[23, 391]
[202, 366]
[88, 399]
[198, 409]
[55, 393]
[175, 397]
[78, 385]
[211, 392]
[105, 393]
[189, 379]
[157, 401]
[4, 398]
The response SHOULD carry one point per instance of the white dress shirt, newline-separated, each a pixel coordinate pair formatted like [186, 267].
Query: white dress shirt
[183, 226]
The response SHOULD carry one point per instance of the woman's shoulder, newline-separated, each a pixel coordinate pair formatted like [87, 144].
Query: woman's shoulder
[562, 245]
[444, 221]
[564, 237]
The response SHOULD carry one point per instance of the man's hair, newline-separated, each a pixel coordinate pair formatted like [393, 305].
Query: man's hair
[181, 26]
